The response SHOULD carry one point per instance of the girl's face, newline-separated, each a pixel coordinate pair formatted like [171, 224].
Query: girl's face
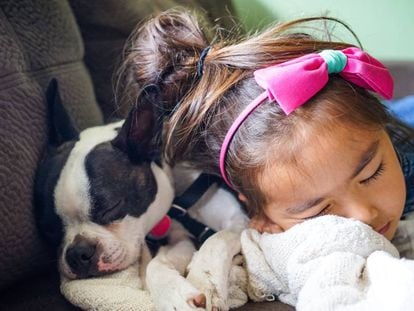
[345, 172]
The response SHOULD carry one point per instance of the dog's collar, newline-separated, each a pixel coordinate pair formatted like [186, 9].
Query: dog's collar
[179, 211]
[160, 230]
[182, 203]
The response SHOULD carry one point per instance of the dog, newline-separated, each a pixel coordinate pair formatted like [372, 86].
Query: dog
[100, 193]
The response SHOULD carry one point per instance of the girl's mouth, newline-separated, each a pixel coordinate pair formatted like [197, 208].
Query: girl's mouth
[384, 228]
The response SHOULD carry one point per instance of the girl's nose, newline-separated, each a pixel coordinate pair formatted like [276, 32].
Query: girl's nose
[363, 211]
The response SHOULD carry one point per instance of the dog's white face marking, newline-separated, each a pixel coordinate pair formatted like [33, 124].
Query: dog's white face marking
[163, 198]
[72, 199]
[117, 244]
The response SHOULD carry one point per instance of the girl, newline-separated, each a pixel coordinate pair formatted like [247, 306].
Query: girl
[291, 122]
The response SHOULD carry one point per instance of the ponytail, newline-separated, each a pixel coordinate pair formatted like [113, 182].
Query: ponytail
[163, 52]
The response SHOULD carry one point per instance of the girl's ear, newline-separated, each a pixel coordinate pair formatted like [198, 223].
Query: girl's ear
[140, 134]
[62, 128]
[242, 197]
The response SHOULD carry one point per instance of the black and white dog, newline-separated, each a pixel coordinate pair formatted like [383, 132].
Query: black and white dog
[100, 192]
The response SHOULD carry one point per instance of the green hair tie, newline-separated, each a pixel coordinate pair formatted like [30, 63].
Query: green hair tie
[334, 59]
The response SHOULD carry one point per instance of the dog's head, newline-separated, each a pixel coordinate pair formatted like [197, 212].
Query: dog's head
[99, 192]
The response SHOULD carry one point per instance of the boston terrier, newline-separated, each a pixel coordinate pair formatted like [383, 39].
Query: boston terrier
[102, 196]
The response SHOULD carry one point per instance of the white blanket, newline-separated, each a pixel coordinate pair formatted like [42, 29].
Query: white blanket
[328, 263]
[122, 290]
[125, 290]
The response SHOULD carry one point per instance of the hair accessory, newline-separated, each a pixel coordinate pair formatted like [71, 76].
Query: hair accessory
[200, 63]
[293, 83]
[335, 60]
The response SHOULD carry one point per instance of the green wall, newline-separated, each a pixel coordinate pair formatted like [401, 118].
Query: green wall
[385, 27]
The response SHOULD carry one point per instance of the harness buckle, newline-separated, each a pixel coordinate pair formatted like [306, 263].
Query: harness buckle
[181, 209]
[201, 235]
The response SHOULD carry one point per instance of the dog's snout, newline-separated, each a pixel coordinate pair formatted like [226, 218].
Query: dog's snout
[81, 257]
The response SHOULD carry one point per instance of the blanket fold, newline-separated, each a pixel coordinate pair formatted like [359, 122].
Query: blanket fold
[123, 290]
[328, 263]
[119, 291]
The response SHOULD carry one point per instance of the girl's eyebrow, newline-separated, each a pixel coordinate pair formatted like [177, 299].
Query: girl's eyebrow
[366, 158]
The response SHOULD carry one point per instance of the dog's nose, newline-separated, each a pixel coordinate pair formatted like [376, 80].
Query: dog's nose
[80, 257]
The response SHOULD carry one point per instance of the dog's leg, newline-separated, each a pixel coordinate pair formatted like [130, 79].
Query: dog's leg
[216, 271]
[165, 275]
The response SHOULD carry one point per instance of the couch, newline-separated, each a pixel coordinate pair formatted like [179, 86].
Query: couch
[78, 42]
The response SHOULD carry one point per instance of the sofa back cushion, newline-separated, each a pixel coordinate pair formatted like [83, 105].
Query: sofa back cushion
[106, 24]
[39, 39]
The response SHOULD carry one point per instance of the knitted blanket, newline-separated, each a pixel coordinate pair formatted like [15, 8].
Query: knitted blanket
[122, 290]
[125, 290]
[328, 263]
[119, 291]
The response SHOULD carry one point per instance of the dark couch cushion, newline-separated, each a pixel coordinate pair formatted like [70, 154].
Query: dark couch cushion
[36, 293]
[39, 40]
[106, 24]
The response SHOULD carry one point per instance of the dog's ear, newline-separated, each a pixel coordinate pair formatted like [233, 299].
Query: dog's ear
[140, 135]
[61, 128]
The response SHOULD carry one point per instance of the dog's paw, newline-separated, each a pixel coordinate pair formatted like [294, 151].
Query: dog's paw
[183, 297]
[210, 299]
[172, 292]
[198, 301]
[218, 298]
[237, 283]
[210, 270]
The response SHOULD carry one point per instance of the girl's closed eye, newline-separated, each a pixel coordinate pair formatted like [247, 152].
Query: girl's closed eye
[322, 212]
[374, 176]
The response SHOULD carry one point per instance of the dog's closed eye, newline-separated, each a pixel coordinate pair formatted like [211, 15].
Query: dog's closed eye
[109, 214]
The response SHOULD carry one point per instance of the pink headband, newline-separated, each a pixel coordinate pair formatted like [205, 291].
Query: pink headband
[293, 83]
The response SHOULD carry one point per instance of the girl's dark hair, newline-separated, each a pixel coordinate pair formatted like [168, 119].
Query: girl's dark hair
[165, 52]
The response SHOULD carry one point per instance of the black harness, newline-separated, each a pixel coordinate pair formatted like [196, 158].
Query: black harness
[181, 204]
[179, 211]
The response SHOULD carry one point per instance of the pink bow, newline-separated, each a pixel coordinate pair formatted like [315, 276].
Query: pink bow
[294, 82]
